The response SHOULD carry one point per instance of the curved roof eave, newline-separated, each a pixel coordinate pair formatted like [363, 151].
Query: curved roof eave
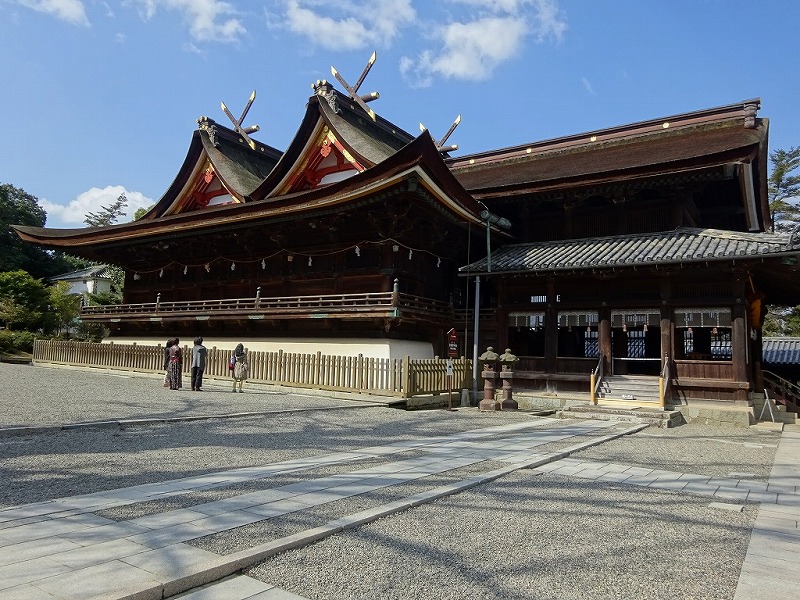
[292, 153]
[629, 157]
[419, 160]
[185, 175]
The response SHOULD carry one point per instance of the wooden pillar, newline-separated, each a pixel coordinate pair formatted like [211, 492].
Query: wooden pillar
[757, 358]
[604, 337]
[739, 341]
[666, 324]
[551, 329]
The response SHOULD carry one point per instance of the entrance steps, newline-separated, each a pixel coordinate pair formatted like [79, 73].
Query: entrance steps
[779, 412]
[618, 411]
[629, 388]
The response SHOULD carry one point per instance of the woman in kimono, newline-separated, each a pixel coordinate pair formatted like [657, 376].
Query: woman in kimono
[175, 365]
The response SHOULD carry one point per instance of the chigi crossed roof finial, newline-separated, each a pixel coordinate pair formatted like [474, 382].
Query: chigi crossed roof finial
[440, 144]
[237, 123]
[353, 91]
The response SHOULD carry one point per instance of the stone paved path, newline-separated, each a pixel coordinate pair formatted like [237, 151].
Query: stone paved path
[62, 549]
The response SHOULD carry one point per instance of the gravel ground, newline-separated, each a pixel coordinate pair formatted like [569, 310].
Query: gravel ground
[527, 536]
[522, 536]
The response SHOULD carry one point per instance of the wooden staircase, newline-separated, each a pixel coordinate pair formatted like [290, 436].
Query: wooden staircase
[636, 389]
[627, 399]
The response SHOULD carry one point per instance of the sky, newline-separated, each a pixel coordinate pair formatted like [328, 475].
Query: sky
[100, 97]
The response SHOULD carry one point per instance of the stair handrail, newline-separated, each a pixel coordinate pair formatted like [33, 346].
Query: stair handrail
[664, 383]
[596, 379]
[786, 392]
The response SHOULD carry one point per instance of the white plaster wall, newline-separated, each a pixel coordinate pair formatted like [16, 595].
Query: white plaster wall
[371, 348]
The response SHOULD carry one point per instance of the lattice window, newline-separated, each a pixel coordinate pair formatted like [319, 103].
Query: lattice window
[591, 344]
[688, 342]
[636, 347]
[721, 348]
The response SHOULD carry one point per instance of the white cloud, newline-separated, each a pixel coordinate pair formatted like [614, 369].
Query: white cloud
[495, 32]
[588, 85]
[472, 50]
[92, 200]
[71, 11]
[208, 20]
[355, 24]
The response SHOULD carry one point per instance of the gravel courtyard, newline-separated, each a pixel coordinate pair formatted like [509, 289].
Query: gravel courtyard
[525, 535]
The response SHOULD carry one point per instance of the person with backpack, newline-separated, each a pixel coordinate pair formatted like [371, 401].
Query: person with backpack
[238, 366]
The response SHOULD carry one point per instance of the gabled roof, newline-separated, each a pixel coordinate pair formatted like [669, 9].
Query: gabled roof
[93, 272]
[680, 142]
[417, 164]
[681, 246]
[240, 168]
[368, 142]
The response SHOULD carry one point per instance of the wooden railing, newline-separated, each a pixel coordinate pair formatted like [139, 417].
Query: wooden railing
[785, 392]
[595, 380]
[334, 303]
[404, 378]
[664, 383]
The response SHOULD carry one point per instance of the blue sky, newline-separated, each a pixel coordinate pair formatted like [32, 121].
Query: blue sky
[101, 96]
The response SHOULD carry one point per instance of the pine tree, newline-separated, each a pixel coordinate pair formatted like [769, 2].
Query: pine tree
[108, 215]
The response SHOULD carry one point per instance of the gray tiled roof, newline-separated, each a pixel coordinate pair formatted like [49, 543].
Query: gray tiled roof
[781, 351]
[93, 272]
[681, 245]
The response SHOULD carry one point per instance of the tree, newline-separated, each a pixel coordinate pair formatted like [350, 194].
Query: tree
[64, 306]
[784, 188]
[17, 207]
[108, 215]
[140, 212]
[24, 301]
[784, 196]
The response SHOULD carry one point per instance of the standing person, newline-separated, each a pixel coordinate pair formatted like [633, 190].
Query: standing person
[174, 373]
[240, 368]
[199, 353]
[167, 346]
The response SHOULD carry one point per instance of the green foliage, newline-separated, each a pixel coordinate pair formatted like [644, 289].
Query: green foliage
[14, 342]
[23, 301]
[17, 207]
[108, 215]
[140, 212]
[782, 321]
[784, 203]
[91, 332]
[64, 307]
[784, 188]
[73, 263]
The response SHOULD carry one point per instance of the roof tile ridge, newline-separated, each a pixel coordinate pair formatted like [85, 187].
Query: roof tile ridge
[742, 115]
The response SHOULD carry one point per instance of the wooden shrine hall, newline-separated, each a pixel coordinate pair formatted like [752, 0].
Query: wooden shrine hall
[632, 250]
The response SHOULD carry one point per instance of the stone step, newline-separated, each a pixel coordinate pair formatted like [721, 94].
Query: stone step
[629, 388]
[650, 416]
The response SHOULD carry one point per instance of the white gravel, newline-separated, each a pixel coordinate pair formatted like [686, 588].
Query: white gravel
[522, 536]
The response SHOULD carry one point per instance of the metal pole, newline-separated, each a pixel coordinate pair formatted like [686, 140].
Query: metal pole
[488, 248]
[475, 338]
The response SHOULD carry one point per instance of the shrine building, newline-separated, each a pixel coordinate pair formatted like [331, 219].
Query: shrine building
[634, 249]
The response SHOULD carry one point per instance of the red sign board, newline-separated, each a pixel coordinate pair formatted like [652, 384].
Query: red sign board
[452, 344]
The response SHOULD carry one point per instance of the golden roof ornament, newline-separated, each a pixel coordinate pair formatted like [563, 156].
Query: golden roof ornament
[361, 100]
[440, 144]
[237, 123]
